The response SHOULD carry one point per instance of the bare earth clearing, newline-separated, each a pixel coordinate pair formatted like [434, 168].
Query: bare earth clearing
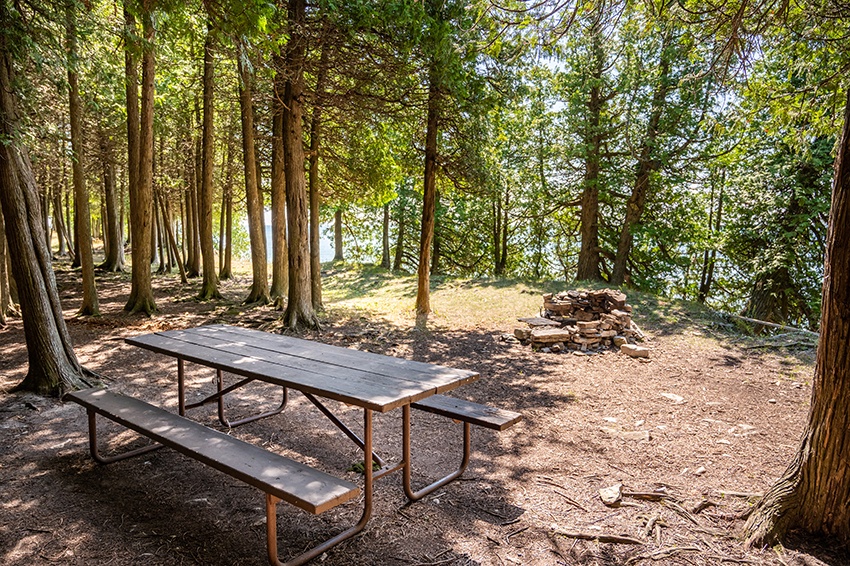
[723, 414]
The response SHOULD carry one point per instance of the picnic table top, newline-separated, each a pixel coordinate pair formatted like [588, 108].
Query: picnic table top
[372, 381]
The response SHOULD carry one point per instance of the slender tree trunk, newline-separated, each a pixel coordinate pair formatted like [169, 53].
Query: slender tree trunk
[338, 247]
[589, 259]
[710, 256]
[399, 242]
[315, 142]
[81, 194]
[114, 260]
[172, 241]
[812, 494]
[299, 308]
[385, 237]
[156, 240]
[227, 213]
[141, 195]
[53, 367]
[496, 214]
[5, 299]
[280, 253]
[436, 246]
[61, 230]
[429, 202]
[648, 163]
[209, 288]
[259, 292]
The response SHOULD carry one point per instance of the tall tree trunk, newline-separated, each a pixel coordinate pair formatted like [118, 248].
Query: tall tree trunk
[58, 221]
[225, 271]
[429, 200]
[114, 260]
[280, 253]
[172, 241]
[5, 299]
[156, 240]
[81, 193]
[259, 292]
[385, 237]
[437, 243]
[588, 259]
[299, 307]
[53, 366]
[399, 242]
[648, 163]
[141, 195]
[338, 247]
[315, 142]
[209, 287]
[710, 256]
[812, 494]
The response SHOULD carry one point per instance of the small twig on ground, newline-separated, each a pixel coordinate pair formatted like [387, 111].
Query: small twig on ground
[702, 506]
[727, 558]
[744, 494]
[680, 510]
[600, 537]
[516, 532]
[570, 500]
[647, 495]
[492, 513]
[663, 553]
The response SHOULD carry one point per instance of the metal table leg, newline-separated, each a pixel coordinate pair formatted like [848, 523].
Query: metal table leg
[271, 511]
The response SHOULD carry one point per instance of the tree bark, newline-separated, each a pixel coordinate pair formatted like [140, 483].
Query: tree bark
[209, 287]
[648, 163]
[172, 241]
[299, 308]
[588, 259]
[710, 256]
[225, 270]
[53, 366]
[114, 260]
[90, 305]
[385, 237]
[280, 253]
[141, 196]
[399, 242]
[812, 494]
[315, 142]
[429, 200]
[338, 245]
[5, 299]
[259, 292]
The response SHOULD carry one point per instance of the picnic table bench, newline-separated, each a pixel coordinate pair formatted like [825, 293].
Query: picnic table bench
[369, 381]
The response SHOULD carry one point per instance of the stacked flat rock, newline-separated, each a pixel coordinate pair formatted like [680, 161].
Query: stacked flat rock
[579, 320]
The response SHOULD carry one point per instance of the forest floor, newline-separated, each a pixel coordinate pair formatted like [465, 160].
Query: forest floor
[718, 416]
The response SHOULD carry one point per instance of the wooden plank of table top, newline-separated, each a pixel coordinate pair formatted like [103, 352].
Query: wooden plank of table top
[351, 374]
[445, 378]
[358, 391]
[319, 350]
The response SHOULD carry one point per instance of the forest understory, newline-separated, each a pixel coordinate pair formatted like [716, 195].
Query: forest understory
[718, 416]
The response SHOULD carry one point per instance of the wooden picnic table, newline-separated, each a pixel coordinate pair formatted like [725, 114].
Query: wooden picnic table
[370, 381]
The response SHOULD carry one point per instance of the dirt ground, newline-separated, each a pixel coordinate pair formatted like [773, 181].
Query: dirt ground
[714, 419]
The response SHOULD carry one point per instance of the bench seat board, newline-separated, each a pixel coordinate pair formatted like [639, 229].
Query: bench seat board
[467, 411]
[298, 484]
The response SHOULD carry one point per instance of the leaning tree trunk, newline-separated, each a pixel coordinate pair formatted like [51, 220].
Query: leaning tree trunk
[299, 308]
[338, 247]
[398, 257]
[81, 194]
[53, 367]
[225, 270]
[812, 494]
[141, 195]
[429, 200]
[209, 287]
[259, 292]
